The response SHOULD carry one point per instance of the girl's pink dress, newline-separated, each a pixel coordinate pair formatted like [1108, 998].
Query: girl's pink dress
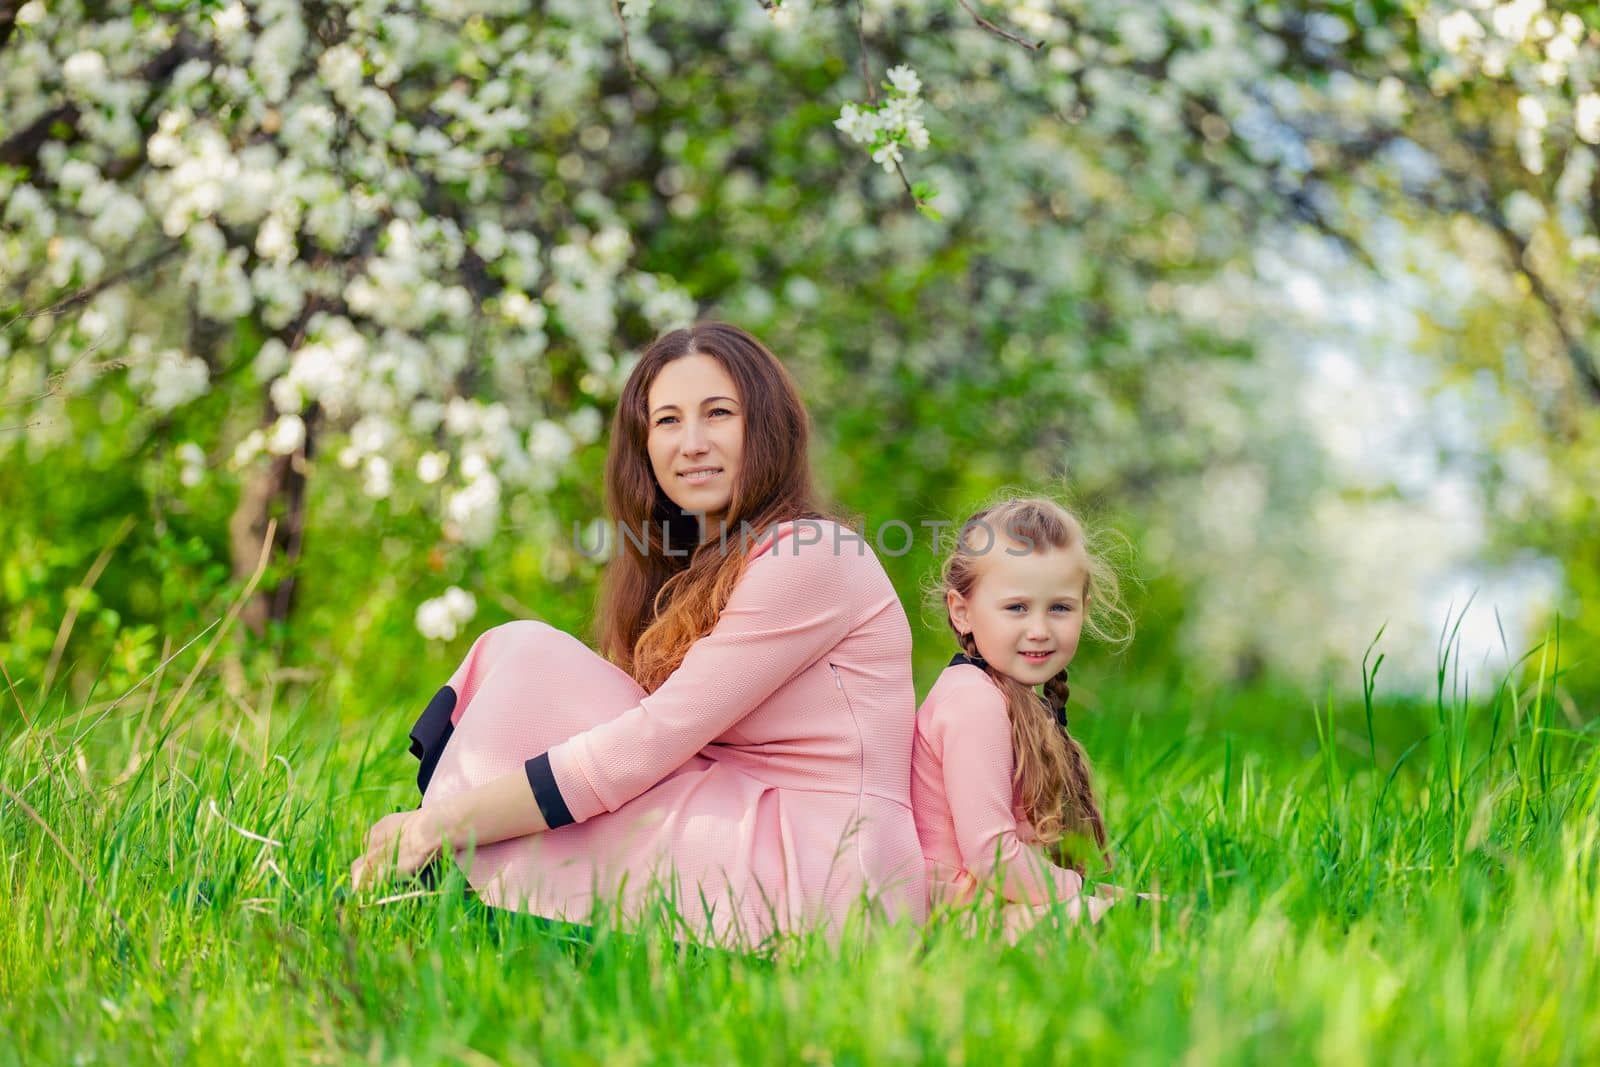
[967, 811]
[765, 784]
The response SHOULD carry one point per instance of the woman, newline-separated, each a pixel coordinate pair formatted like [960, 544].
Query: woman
[747, 747]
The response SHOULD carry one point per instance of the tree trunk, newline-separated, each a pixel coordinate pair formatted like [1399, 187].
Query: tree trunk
[278, 491]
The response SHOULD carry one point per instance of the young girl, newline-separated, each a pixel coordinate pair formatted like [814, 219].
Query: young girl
[998, 784]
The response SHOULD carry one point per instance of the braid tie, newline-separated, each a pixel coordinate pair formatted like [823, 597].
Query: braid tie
[1056, 693]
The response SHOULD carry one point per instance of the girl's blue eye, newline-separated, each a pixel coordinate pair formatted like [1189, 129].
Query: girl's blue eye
[725, 411]
[1064, 607]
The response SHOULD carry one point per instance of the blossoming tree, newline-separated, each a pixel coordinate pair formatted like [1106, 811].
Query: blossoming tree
[420, 238]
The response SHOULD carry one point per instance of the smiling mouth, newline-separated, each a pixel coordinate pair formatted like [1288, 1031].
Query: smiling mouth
[1038, 655]
[700, 475]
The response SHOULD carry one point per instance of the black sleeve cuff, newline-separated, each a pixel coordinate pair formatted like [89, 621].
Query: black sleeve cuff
[545, 793]
[430, 734]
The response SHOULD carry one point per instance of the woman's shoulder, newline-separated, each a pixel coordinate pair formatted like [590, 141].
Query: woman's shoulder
[820, 547]
[806, 536]
[810, 567]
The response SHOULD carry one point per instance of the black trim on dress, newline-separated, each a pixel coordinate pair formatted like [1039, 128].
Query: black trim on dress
[431, 733]
[980, 662]
[546, 793]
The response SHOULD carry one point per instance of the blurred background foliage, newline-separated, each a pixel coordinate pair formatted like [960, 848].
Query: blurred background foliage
[1300, 298]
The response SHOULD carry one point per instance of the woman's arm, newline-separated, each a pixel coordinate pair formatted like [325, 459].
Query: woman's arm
[497, 810]
[794, 603]
[405, 841]
[978, 763]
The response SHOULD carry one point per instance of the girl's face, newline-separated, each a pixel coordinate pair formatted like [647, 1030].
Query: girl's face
[1026, 609]
[696, 434]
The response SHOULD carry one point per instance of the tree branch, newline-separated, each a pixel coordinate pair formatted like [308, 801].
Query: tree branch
[627, 53]
[8, 19]
[1582, 360]
[88, 292]
[1032, 46]
[866, 75]
[22, 147]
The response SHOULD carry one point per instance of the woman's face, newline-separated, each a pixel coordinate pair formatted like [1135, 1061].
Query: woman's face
[696, 435]
[1026, 608]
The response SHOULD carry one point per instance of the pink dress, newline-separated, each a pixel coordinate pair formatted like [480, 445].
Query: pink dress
[765, 786]
[967, 811]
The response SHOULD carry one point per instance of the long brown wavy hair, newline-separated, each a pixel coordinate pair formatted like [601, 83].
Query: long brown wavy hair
[655, 604]
[1052, 775]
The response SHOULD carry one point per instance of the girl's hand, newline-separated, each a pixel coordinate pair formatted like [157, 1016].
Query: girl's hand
[1115, 892]
[1085, 907]
[1097, 906]
[397, 844]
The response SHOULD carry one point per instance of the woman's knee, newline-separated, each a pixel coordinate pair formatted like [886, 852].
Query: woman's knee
[531, 639]
[560, 661]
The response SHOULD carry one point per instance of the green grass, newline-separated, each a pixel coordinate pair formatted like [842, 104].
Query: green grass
[1370, 880]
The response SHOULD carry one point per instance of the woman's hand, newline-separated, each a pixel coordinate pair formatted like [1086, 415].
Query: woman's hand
[397, 844]
[404, 842]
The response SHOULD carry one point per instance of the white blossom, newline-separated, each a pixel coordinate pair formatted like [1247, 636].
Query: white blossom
[1139, 31]
[85, 73]
[340, 67]
[249, 447]
[1586, 117]
[230, 22]
[118, 215]
[377, 477]
[1511, 20]
[905, 80]
[192, 459]
[1533, 113]
[431, 467]
[288, 433]
[586, 424]
[77, 175]
[490, 241]
[461, 603]
[1523, 212]
[549, 444]
[171, 379]
[280, 292]
[889, 126]
[1458, 29]
[274, 240]
[278, 52]
[473, 511]
[441, 618]
[73, 259]
[856, 124]
[326, 370]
